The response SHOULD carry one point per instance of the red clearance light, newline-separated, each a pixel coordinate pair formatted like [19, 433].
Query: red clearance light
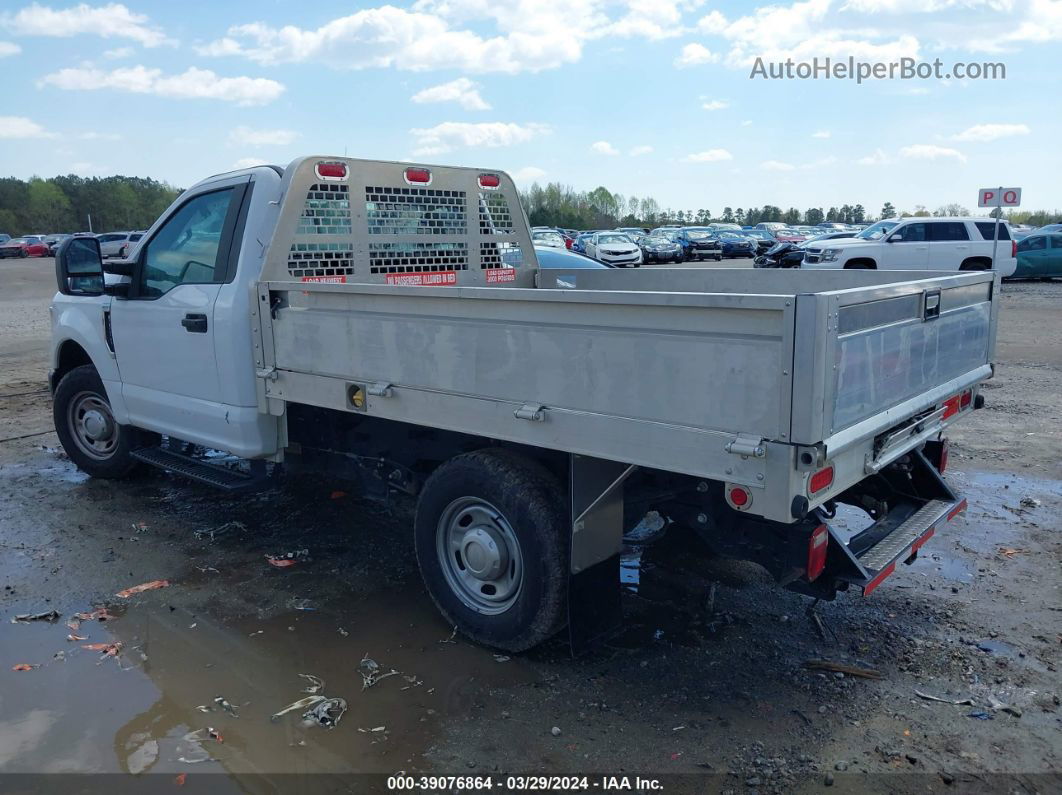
[817, 547]
[739, 496]
[1013, 248]
[951, 406]
[418, 176]
[820, 480]
[332, 170]
[489, 181]
[943, 456]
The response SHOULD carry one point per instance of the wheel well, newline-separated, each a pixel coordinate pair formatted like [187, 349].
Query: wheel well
[71, 355]
[976, 264]
[864, 262]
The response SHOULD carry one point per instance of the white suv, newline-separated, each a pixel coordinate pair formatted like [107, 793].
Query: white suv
[936, 244]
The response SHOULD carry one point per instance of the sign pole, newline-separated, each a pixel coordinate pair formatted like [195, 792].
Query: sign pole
[995, 234]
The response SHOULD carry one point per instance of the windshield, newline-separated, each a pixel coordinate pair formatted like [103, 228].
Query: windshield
[877, 231]
[731, 236]
[613, 239]
[552, 237]
[698, 234]
[758, 233]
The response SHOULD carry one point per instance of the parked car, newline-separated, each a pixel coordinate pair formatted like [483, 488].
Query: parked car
[788, 235]
[832, 226]
[737, 244]
[552, 257]
[781, 255]
[659, 248]
[130, 244]
[548, 237]
[111, 243]
[579, 242]
[614, 248]
[698, 243]
[920, 244]
[770, 226]
[634, 232]
[665, 228]
[764, 239]
[1050, 228]
[4, 237]
[825, 236]
[1040, 254]
[725, 227]
[23, 247]
[53, 242]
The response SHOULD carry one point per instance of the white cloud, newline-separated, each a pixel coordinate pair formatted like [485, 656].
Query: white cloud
[534, 35]
[21, 127]
[249, 162]
[876, 158]
[821, 134]
[716, 104]
[637, 151]
[776, 165]
[649, 19]
[527, 174]
[931, 152]
[746, 123]
[709, 156]
[98, 136]
[603, 148]
[118, 52]
[245, 136]
[694, 55]
[462, 91]
[191, 84]
[991, 132]
[452, 135]
[113, 20]
[9, 48]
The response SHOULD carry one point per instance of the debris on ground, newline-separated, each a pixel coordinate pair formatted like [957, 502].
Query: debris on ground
[847, 670]
[107, 649]
[373, 730]
[555, 731]
[72, 636]
[413, 682]
[197, 752]
[25, 618]
[228, 527]
[343, 632]
[144, 586]
[179, 779]
[502, 658]
[1011, 551]
[980, 715]
[371, 672]
[337, 495]
[958, 702]
[225, 705]
[316, 684]
[214, 734]
[300, 604]
[327, 712]
[999, 706]
[288, 558]
[23, 667]
[452, 638]
[98, 614]
[302, 703]
[1029, 502]
[140, 527]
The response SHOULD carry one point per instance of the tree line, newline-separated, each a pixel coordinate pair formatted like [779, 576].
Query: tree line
[65, 204]
[566, 208]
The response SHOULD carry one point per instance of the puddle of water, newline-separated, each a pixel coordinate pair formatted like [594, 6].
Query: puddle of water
[85, 714]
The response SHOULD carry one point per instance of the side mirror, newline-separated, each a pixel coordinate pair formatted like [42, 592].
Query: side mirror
[79, 266]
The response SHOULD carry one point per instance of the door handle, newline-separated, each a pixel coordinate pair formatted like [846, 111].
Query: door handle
[196, 324]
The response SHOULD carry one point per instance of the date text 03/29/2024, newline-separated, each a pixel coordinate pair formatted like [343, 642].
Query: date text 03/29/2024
[535, 783]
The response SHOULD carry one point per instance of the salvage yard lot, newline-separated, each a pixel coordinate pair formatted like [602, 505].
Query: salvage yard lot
[708, 681]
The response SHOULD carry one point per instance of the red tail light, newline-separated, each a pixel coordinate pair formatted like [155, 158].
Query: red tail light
[489, 181]
[820, 480]
[418, 176]
[818, 544]
[1013, 248]
[951, 406]
[331, 170]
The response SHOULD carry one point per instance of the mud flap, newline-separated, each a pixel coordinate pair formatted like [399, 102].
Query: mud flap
[596, 489]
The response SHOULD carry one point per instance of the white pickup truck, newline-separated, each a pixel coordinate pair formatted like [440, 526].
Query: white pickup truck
[916, 243]
[390, 321]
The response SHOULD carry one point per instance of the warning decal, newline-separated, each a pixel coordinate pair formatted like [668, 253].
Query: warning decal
[325, 279]
[498, 275]
[438, 279]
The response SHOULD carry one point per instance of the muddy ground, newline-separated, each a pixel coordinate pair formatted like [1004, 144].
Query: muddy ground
[707, 685]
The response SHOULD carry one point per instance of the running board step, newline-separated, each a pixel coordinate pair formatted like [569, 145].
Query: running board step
[219, 477]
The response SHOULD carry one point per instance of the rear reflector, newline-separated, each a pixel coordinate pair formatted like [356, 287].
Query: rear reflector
[820, 480]
[489, 181]
[739, 497]
[951, 407]
[331, 170]
[1013, 248]
[960, 508]
[418, 176]
[817, 546]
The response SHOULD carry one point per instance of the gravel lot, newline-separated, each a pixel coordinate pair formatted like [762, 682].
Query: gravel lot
[712, 692]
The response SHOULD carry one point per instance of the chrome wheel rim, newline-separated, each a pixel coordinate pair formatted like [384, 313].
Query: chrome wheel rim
[479, 554]
[92, 425]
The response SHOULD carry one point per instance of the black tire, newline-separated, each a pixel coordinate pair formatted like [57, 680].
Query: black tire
[531, 502]
[22, 253]
[79, 391]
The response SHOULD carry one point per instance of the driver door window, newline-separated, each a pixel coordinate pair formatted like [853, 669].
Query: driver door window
[187, 249]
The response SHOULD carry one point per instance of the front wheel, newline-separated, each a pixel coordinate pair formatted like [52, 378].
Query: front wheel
[492, 542]
[86, 427]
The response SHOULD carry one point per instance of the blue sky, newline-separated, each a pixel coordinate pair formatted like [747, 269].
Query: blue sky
[647, 97]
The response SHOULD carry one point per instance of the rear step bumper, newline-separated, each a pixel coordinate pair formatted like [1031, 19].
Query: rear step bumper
[902, 544]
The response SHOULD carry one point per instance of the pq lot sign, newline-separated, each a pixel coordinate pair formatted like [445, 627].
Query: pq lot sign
[999, 197]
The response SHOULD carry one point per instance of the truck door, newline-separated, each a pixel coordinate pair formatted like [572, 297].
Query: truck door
[907, 249]
[164, 331]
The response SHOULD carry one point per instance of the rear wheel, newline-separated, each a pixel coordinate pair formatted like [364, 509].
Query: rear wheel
[492, 544]
[86, 427]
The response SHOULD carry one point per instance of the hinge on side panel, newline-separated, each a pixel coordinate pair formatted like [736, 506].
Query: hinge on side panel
[381, 389]
[532, 412]
[267, 372]
[747, 445]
